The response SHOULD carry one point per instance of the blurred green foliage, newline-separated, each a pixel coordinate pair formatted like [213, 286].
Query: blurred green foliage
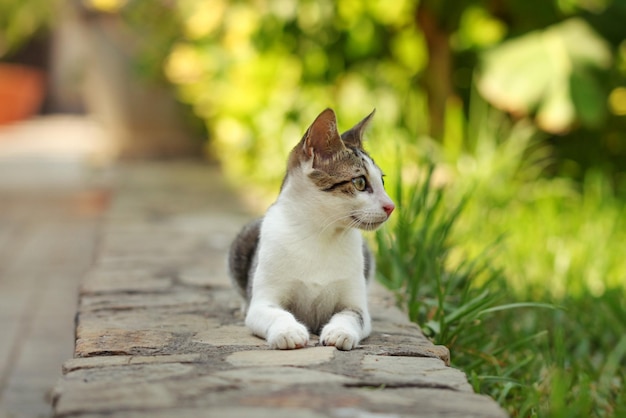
[257, 72]
[21, 20]
[555, 73]
[559, 236]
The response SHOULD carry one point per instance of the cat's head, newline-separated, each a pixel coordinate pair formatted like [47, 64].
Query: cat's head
[336, 178]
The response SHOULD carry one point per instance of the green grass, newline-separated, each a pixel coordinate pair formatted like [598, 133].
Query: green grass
[541, 331]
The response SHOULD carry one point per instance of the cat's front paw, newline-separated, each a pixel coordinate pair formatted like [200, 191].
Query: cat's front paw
[341, 337]
[288, 337]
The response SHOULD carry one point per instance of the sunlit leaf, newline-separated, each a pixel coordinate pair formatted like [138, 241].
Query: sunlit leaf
[184, 64]
[408, 47]
[547, 74]
[617, 101]
[108, 6]
[203, 18]
[479, 28]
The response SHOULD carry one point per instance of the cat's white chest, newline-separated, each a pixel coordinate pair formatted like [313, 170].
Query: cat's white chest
[316, 258]
[310, 274]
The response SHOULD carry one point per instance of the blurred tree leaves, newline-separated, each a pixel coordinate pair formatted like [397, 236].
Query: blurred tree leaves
[553, 74]
[20, 20]
[258, 71]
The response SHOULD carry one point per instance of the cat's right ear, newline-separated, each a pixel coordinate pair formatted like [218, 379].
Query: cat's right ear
[354, 136]
[322, 138]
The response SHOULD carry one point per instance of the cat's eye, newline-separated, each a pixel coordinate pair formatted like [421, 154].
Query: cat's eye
[359, 183]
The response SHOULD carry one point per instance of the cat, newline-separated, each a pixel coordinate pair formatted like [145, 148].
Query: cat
[304, 266]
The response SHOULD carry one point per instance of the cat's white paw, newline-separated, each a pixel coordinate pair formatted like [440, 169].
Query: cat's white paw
[341, 337]
[288, 336]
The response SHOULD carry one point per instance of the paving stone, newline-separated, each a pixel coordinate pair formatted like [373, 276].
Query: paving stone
[170, 358]
[149, 241]
[238, 412]
[280, 376]
[125, 374]
[94, 362]
[164, 319]
[145, 388]
[114, 341]
[124, 280]
[235, 335]
[213, 275]
[418, 371]
[222, 227]
[125, 301]
[105, 397]
[322, 398]
[220, 412]
[153, 260]
[399, 348]
[409, 402]
[309, 356]
[108, 361]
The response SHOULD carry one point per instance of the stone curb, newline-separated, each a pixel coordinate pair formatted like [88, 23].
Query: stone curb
[159, 332]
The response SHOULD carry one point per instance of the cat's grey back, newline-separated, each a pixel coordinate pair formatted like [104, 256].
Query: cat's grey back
[242, 257]
[369, 262]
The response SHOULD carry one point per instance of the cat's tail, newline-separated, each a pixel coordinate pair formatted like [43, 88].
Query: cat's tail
[242, 257]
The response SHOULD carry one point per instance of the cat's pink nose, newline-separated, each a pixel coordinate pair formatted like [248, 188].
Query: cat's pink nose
[388, 208]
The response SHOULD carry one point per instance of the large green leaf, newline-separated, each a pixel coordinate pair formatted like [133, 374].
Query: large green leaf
[551, 74]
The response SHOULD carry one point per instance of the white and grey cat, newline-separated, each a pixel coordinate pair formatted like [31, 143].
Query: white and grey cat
[304, 266]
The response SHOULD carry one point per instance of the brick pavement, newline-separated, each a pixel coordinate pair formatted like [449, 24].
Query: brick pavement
[159, 332]
[50, 207]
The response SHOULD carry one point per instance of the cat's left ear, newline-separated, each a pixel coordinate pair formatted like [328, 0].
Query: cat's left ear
[322, 138]
[354, 136]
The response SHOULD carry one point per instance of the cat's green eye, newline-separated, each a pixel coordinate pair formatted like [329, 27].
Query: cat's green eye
[359, 183]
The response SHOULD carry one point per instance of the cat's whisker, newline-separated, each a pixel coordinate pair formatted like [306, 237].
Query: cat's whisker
[332, 221]
[328, 224]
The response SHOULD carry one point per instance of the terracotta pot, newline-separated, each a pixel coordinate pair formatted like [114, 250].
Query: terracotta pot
[21, 92]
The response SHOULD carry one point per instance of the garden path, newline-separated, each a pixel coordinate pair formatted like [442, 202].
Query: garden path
[52, 198]
[141, 248]
[159, 330]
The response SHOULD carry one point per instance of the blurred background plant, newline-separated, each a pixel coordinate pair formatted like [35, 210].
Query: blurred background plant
[511, 250]
[21, 81]
[256, 72]
[23, 20]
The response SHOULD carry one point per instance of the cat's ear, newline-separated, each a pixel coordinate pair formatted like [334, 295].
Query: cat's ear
[322, 138]
[354, 136]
